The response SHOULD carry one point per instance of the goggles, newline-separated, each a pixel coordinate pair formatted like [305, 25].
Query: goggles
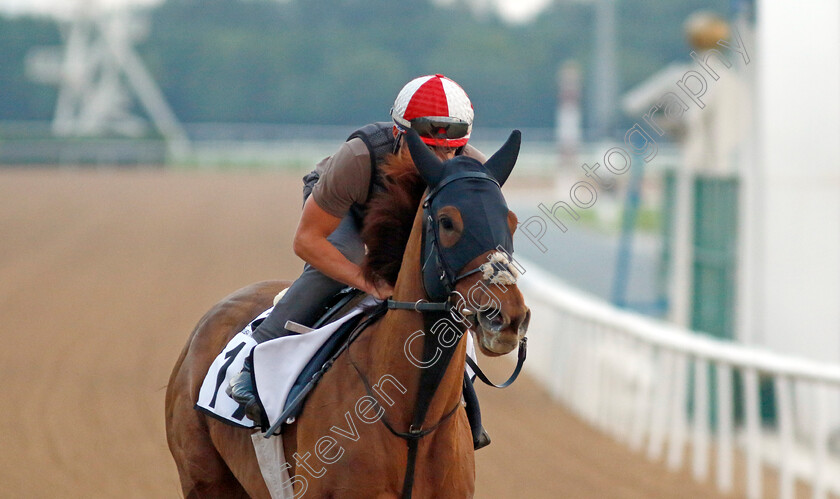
[438, 127]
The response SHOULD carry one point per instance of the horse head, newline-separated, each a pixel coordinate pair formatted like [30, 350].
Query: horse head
[468, 243]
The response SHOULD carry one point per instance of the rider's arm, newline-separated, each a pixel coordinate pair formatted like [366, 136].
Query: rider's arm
[344, 180]
[311, 245]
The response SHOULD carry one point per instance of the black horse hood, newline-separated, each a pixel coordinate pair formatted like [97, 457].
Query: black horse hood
[475, 191]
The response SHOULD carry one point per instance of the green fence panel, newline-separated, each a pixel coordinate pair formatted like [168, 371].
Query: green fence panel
[713, 266]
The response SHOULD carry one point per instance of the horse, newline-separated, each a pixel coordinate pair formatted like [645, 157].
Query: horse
[387, 420]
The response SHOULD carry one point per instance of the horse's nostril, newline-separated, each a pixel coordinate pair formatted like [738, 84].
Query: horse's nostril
[493, 319]
[522, 326]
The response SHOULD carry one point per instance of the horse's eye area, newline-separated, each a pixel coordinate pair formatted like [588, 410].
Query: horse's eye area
[446, 223]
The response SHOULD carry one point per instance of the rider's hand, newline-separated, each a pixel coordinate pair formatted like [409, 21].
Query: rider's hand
[379, 290]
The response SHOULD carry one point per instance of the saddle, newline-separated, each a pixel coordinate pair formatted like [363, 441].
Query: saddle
[306, 357]
[346, 301]
[337, 307]
[215, 402]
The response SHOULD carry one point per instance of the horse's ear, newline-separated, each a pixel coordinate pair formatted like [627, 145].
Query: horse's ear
[429, 166]
[500, 164]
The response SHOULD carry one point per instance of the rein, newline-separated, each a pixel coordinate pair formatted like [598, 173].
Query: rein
[520, 361]
[425, 306]
[429, 381]
[412, 433]
[439, 282]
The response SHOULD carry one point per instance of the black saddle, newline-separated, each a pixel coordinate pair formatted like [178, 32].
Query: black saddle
[339, 306]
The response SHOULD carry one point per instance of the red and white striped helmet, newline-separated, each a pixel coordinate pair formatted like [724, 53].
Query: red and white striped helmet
[437, 108]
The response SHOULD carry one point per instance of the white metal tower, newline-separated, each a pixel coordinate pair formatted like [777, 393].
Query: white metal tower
[102, 81]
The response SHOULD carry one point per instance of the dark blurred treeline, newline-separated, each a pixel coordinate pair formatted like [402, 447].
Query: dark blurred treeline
[343, 61]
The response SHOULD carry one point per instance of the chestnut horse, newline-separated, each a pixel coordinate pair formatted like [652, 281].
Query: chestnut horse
[386, 420]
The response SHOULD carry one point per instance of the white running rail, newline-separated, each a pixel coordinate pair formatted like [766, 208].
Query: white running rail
[640, 380]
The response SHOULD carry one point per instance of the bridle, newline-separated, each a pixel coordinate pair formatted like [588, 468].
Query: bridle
[439, 281]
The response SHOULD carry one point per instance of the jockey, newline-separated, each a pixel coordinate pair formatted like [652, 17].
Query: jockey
[335, 196]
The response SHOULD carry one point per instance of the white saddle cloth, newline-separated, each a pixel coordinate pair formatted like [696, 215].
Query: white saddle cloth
[277, 364]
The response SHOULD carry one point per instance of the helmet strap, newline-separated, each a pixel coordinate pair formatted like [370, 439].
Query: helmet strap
[397, 142]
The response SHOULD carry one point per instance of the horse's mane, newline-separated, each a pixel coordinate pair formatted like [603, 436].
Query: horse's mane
[389, 219]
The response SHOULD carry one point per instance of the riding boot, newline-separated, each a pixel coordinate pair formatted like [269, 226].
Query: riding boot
[480, 437]
[241, 390]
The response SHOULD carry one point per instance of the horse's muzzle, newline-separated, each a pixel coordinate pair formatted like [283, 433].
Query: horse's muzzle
[499, 334]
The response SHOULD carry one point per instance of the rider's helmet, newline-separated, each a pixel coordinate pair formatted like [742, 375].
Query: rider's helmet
[437, 108]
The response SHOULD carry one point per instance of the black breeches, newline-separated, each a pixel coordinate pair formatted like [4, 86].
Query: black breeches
[306, 298]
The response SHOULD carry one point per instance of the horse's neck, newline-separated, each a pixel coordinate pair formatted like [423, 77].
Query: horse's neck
[389, 343]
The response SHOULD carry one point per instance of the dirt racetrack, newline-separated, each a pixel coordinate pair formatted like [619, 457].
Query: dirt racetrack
[103, 274]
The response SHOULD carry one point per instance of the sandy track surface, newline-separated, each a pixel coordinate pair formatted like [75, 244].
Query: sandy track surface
[104, 273]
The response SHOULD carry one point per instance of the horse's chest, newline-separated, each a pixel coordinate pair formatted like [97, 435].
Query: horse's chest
[374, 465]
